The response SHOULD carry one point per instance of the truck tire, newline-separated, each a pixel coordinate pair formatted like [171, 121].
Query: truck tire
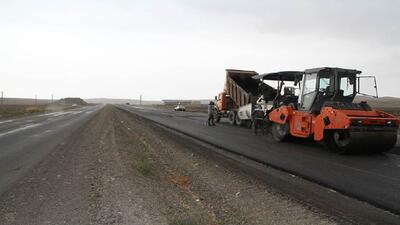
[232, 117]
[240, 122]
[217, 118]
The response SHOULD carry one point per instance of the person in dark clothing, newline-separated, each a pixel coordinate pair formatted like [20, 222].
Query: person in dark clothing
[258, 120]
[211, 111]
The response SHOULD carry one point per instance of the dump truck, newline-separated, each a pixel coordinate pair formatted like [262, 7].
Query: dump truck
[324, 111]
[237, 100]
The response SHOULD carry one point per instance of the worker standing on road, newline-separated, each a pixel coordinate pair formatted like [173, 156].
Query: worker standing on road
[211, 111]
[258, 119]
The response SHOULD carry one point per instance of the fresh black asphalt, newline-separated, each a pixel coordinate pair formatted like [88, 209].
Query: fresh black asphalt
[374, 178]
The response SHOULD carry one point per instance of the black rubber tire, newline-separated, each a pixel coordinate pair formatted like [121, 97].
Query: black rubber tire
[346, 142]
[280, 132]
[232, 118]
[331, 141]
[240, 122]
[217, 118]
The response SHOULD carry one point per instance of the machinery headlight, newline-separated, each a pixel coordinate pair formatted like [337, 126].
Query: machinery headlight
[357, 122]
[389, 122]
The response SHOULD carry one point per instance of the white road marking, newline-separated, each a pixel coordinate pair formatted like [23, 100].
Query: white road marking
[20, 129]
[43, 133]
[60, 114]
[53, 114]
[47, 114]
[6, 121]
[331, 190]
[76, 112]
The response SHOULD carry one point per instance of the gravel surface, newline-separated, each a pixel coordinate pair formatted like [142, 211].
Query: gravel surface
[122, 169]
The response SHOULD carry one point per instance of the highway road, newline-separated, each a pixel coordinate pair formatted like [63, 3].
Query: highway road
[373, 178]
[25, 141]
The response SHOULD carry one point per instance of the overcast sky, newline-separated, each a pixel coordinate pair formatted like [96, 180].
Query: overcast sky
[180, 49]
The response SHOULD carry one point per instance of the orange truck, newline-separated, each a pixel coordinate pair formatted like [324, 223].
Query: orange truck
[324, 111]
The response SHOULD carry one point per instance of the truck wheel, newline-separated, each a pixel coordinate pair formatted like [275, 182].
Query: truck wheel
[280, 132]
[232, 118]
[217, 118]
[240, 122]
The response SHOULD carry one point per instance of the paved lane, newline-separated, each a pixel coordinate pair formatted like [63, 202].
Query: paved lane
[25, 141]
[372, 178]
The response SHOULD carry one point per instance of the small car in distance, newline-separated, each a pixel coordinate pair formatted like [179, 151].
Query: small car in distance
[180, 107]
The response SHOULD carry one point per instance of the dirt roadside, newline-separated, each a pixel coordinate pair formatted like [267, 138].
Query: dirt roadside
[121, 169]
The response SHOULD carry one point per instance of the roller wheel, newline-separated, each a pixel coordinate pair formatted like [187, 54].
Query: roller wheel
[232, 118]
[280, 132]
[346, 142]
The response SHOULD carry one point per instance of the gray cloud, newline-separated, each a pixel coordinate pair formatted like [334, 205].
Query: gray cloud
[136, 47]
[360, 19]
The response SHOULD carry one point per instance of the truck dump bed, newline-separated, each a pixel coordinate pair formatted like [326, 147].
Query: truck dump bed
[241, 86]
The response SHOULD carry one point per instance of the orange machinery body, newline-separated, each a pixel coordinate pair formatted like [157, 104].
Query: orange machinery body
[223, 102]
[305, 124]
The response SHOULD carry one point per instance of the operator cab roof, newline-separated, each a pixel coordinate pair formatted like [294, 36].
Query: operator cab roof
[316, 70]
[283, 75]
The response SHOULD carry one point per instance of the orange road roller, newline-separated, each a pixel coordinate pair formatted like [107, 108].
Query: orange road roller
[324, 111]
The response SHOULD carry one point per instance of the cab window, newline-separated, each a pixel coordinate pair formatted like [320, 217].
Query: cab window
[310, 83]
[309, 92]
[346, 87]
[324, 84]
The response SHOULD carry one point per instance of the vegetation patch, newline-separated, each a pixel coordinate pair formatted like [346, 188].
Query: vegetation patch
[33, 109]
[179, 180]
[20, 110]
[145, 166]
[142, 161]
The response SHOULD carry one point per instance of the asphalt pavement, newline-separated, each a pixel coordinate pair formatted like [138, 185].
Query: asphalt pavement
[374, 178]
[25, 141]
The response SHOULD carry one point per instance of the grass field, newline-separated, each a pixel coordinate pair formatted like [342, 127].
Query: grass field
[20, 110]
[7, 111]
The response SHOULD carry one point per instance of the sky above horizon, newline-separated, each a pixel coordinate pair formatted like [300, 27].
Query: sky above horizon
[180, 49]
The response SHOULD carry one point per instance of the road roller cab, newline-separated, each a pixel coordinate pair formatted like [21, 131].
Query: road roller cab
[325, 112]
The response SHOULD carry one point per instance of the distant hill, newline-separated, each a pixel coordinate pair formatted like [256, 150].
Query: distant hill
[121, 101]
[71, 101]
[382, 102]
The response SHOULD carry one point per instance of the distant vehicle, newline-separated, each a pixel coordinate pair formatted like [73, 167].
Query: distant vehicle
[74, 105]
[127, 103]
[180, 107]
